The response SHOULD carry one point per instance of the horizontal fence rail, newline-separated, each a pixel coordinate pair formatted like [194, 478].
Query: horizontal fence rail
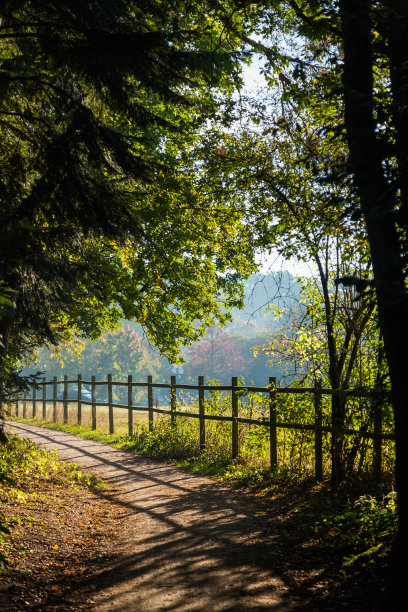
[40, 398]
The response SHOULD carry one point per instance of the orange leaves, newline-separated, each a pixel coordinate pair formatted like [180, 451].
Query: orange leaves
[221, 151]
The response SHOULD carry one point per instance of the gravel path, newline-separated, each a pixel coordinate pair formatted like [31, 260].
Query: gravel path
[185, 543]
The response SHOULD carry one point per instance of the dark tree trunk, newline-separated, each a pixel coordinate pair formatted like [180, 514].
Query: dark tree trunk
[395, 30]
[378, 204]
[5, 328]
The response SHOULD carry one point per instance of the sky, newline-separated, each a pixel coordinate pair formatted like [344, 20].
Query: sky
[271, 262]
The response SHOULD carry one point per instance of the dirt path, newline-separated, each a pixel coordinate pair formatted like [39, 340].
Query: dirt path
[185, 543]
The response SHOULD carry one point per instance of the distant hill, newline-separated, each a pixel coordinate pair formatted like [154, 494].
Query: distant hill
[261, 291]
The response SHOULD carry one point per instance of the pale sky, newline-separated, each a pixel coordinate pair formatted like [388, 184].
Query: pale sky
[253, 82]
[274, 262]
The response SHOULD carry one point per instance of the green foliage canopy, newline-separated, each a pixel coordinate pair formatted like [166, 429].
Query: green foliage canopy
[101, 217]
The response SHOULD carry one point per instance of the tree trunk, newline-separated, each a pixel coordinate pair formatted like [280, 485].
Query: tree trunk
[337, 402]
[395, 30]
[378, 205]
[5, 328]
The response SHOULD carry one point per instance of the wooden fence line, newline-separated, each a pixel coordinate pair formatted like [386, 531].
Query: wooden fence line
[378, 436]
[356, 392]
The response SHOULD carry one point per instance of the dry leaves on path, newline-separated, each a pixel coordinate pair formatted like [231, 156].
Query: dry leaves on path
[58, 536]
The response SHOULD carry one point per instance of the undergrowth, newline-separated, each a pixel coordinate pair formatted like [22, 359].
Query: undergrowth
[366, 529]
[22, 465]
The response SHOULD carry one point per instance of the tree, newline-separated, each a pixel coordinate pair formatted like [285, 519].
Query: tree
[99, 108]
[217, 356]
[336, 338]
[353, 56]
[279, 162]
[383, 197]
[120, 352]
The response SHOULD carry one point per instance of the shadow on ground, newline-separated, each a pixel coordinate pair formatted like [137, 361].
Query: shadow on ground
[188, 544]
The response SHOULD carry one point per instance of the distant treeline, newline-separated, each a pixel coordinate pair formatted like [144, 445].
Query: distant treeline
[220, 354]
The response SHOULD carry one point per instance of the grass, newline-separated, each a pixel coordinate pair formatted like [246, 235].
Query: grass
[119, 414]
[180, 445]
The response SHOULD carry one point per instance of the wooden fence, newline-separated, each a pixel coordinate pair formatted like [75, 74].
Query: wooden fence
[40, 397]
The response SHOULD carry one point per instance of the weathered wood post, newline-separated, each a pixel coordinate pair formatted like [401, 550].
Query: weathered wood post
[201, 411]
[44, 399]
[25, 405]
[150, 401]
[110, 402]
[130, 404]
[93, 403]
[318, 430]
[34, 402]
[273, 443]
[54, 399]
[79, 414]
[234, 412]
[173, 400]
[17, 408]
[65, 399]
[377, 443]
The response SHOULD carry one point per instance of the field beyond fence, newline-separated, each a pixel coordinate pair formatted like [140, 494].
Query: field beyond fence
[286, 426]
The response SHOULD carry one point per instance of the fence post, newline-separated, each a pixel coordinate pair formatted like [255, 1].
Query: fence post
[110, 401]
[130, 404]
[201, 411]
[273, 445]
[173, 400]
[93, 405]
[234, 411]
[79, 414]
[44, 400]
[65, 399]
[25, 405]
[34, 402]
[377, 443]
[318, 430]
[54, 399]
[150, 401]
[16, 407]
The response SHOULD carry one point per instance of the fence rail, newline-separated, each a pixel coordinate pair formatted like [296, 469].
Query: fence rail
[237, 391]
